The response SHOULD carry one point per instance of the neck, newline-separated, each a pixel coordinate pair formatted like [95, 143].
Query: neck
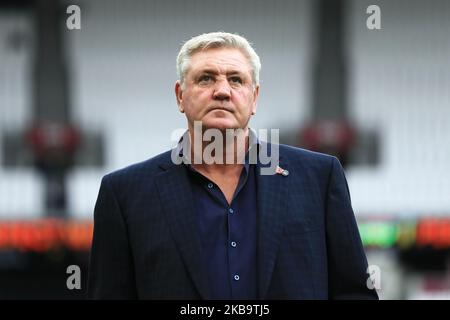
[223, 151]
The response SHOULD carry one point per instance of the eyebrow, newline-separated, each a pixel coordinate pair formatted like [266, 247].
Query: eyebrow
[214, 72]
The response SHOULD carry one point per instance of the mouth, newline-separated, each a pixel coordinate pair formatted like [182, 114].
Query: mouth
[222, 108]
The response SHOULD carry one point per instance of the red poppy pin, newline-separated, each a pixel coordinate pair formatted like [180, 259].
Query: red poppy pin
[281, 171]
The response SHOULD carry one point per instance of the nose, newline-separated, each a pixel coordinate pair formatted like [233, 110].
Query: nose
[222, 91]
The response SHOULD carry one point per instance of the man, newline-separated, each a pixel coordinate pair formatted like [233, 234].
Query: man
[207, 228]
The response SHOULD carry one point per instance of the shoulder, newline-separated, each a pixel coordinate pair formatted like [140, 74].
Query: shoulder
[309, 166]
[140, 171]
[300, 153]
[306, 158]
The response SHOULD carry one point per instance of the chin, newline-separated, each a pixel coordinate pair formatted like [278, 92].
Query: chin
[221, 124]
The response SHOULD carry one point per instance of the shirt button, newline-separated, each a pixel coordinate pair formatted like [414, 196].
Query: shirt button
[230, 210]
[236, 277]
[210, 185]
[233, 244]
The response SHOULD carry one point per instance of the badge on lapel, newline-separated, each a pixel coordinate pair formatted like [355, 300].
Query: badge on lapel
[281, 171]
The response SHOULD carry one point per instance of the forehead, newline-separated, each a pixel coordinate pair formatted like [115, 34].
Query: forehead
[222, 60]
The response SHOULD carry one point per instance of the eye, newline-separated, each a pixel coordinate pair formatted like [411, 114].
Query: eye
[205, 78]
[236, 80]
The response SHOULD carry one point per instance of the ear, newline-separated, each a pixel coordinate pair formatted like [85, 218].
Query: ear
[255, 99]
[179, 95]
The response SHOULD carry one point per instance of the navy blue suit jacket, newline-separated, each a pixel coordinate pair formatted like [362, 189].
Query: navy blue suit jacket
[146, 243]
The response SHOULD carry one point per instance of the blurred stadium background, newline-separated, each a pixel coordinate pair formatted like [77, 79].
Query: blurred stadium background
[77, 104]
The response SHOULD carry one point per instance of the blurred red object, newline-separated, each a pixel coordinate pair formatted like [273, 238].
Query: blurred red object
[328, 134]
[45, 235]
[47, 137]
[332, 137]
[54, 145]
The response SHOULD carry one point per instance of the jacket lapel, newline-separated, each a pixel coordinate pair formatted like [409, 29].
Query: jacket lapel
[177, 201]
[272, 210]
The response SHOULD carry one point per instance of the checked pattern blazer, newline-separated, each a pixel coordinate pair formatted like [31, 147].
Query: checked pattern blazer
[146, 244]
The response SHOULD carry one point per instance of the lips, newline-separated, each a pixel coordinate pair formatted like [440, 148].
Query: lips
[221, 108]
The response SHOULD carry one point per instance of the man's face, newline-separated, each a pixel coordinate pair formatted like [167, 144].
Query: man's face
[218, 90]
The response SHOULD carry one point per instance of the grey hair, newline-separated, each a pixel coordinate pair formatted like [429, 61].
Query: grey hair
[217, 40]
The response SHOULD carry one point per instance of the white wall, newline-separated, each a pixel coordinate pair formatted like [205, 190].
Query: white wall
[400, 84]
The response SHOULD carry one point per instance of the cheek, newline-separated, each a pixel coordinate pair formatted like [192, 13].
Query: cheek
[193, 104]
[196, 99]
[245, 102]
